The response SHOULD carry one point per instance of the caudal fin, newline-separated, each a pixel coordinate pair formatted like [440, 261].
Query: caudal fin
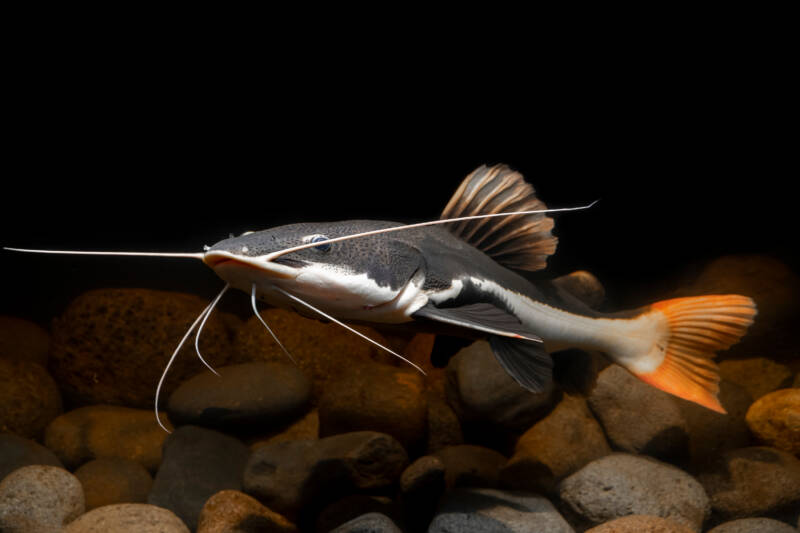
[693, 330]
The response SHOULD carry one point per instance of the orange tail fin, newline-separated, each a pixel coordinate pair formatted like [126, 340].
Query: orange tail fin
[695, 329]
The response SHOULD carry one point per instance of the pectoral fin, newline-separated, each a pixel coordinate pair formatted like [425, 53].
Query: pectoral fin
[528, 363]
[481, 317]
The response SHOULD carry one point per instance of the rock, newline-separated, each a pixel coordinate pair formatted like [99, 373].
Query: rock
[621, 484]
[233, 511]
[758, 375]
[352, 507]
[39, 498]
[373, 397]
[106, 431]
[114, 480]
[305, 428]
[290, 475]
[775, 420]
[126, 517]
[421, 486]
[16, 452]
[369, 523]
[484, 510]
[242, 397]
[555, 447]
[29, 398]
[22, 340]
[755, 481]
[444, 428]
[110, 345]
[796, 383]
[641, 524]
[753, 525]
[197, 463]
[480, 391]
[324, 352]
[471, 466]
[584, 286]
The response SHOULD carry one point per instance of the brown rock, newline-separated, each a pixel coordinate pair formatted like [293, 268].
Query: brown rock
[124, 517]
[106, 431]
[29, 398]
[471, 466]
[113, 480]
[758, 375]
[775, 420]
[23, 340]
[110, 345]
[39, 498]
[306, 428]
[583, 285]
[230, 511]
[753, 525]
[444, 429]
[641, 524]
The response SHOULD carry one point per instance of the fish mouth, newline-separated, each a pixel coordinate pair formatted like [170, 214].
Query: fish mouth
[279, 268]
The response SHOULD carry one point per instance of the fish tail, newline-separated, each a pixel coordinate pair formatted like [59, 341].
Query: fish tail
[686, 334]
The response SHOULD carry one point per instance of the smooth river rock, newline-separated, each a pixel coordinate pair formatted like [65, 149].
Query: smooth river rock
[127, 518]
[113, 480]
[231, 511]
[23, 340]
[39, 498]
[16, 452]
[774, 419]
[29, 398]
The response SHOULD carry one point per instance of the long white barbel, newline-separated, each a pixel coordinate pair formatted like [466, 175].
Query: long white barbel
[198, 255]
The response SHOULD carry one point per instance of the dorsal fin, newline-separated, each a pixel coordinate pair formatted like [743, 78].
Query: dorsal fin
[518, 241]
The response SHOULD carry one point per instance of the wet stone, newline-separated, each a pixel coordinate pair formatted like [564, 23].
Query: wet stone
[753, 525]
[758, 375]
[641, 524]
[39, 498]
[23, 340]
[421, 486]
[124, 517]
[114, 480]
[243, 396]
[352, 507]
[106, 431]
[233, 511]
[369, 523]
[471, 466]
[29, 398]
[444, 429]
[305, 428]
[197, 463]
[583, 285]
[16, 452]
[775, 420]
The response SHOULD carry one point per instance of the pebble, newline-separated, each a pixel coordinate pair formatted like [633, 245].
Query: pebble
[621, 484]
[16, 452]
[444, 429]
[421, 486]
[641, 524]
[555, 447]
[234, 511]
[106, 431]
[23, 340]
[305, 428]
[583, 285]
[243, 396]
[113, 480]
[489, 510]
[352, 507]
[369, 523]
[110, 345]
[374, 397]
[126, 518]
[29, 398]
[758, 375]
[39, 498]
[197, 463]
[467, 465]
[480, 391]
[288, 475]
[753, 525]
[754, 481]
[775, 420]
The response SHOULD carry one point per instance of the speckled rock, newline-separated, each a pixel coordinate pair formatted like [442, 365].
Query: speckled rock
[753, 525]
[480, 391]
[471, 466]
[421, 486]
[113, 480]
[755, 481]
[373, 397]
[758, 375]
[231, 511]
[106, 431]
[288, 475]
[621, 484]
[369, 523]
[583, 285]
[324, 352]
[23, 340]
[775, 420]
[484, 510]
[16, 452]
[197, 463]
[444, 429]
[128, 517]
[29, 398]
[354, 506]
[555, 447]
[110, 345]
[242, 396]
[641, 524]
[39, 498]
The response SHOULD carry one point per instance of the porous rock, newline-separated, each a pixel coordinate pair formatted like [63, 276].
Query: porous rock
[110, 345]
[106, 431]
[621, 484]
[39, 498]
[758, 375]
[234, 511]
[775, 420]
[197, 463]
[467, 465]
[16, 452]
[126, 517]
[29, 398]
[113, 480]
[753, 525]
[23, 340]
[242, 397]
[369, 523]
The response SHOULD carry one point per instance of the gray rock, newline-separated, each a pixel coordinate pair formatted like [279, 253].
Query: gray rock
[39, 498]
[355, 506]
[471, 466]
[242, 396]
[288, 475]
[29, 398]
[230, 511]
[758, 375]
[126, 517]
[16, 452]
[488, 510]
[369, 523]
[113, 480]
[754, 525]
[197, 463]
[622, 484]
[480, 391]
[23, 340]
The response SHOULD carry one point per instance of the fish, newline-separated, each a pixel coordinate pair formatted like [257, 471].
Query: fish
[464, 274]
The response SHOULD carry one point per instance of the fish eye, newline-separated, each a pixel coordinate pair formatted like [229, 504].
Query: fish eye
[322, 247]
